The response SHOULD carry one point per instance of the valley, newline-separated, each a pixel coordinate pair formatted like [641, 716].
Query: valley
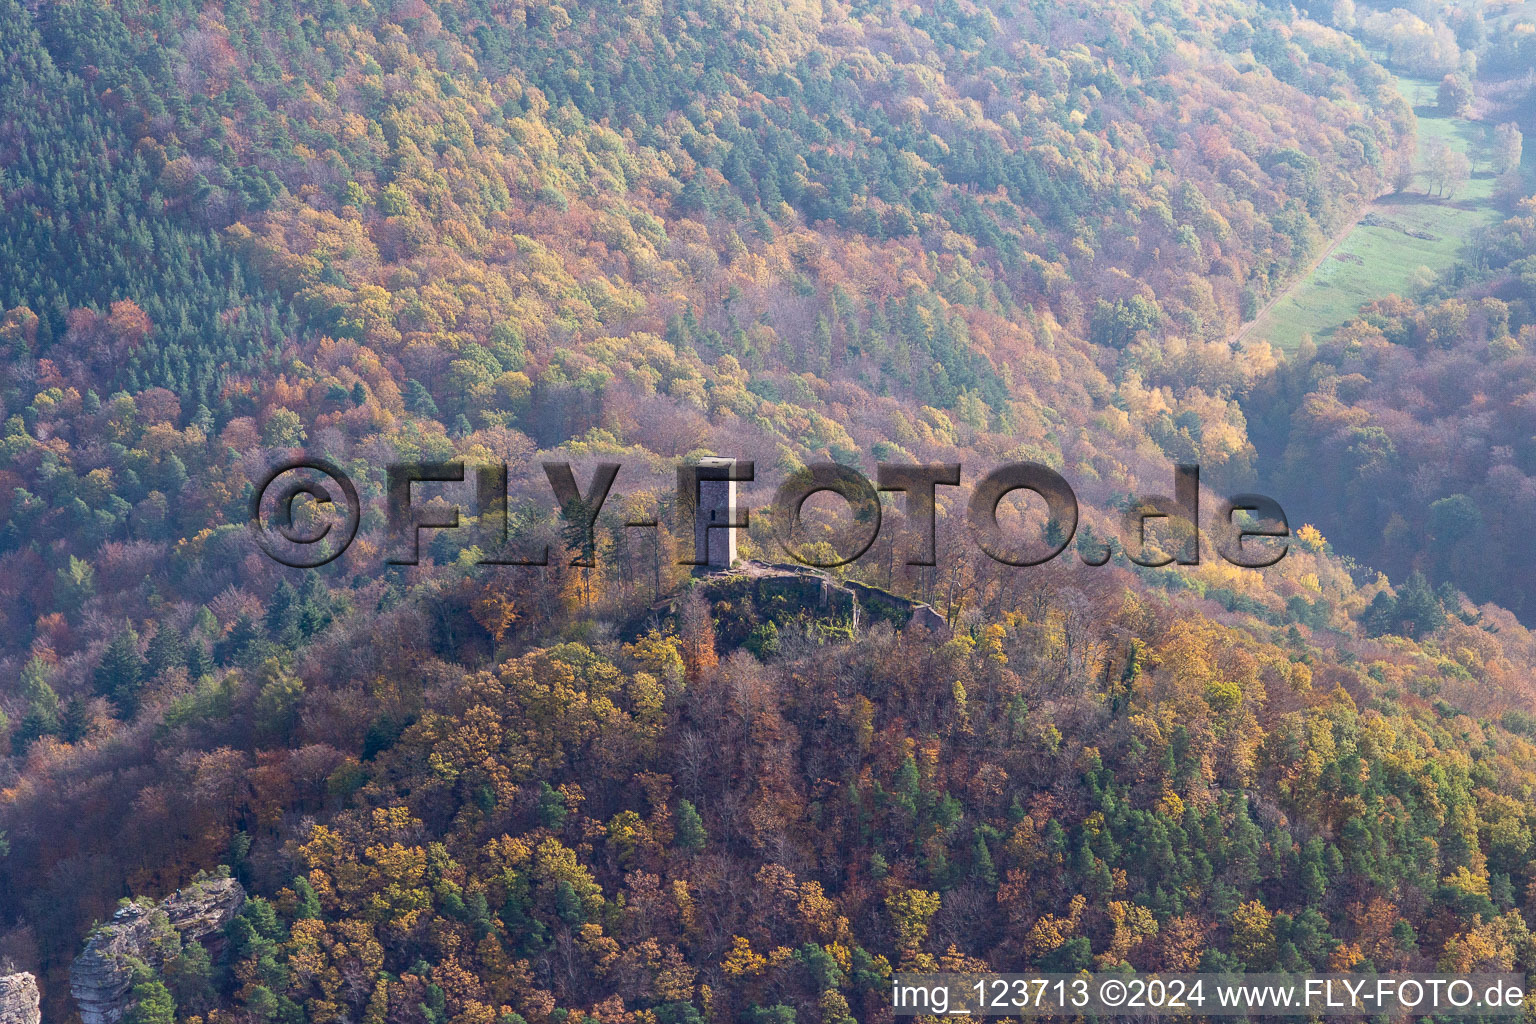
[1402, 243]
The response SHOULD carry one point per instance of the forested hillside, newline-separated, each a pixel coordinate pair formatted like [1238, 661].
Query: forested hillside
[791, 232]
[1413, 422]
[1405, 425]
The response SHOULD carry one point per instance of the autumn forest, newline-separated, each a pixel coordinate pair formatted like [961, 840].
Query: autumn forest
[1292, 244]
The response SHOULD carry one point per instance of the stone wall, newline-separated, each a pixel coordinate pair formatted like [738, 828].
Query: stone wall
[808, 590]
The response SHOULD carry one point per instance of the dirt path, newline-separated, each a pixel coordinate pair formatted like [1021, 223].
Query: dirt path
[1333, 243]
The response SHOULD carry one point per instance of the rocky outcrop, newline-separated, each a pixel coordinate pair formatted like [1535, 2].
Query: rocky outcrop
[201, 910]
[18, 999]
[101, 977]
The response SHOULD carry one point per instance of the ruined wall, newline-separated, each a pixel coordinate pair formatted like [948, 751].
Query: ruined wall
[802, 589]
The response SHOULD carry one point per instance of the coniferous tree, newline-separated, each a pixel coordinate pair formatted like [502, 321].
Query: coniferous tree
[283, 615]
[199, 660]
[41, 717]
[308, 905]
[152, 1004]
[75, 722]
[1380, 616]
[315, 606]
[166, 650]
[1418, 606]
[190, 977]
[689, 833]
[120, 675]
[244, 644]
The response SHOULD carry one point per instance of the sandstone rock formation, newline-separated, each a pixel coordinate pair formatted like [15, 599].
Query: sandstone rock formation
[100, 978]
[18, 999]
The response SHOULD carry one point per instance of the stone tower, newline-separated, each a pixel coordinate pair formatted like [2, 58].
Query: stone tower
[717, 504]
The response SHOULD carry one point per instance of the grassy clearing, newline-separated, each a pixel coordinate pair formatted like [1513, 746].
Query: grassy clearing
[1401, 244]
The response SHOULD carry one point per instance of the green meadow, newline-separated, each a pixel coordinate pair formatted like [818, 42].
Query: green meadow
[1403, 242]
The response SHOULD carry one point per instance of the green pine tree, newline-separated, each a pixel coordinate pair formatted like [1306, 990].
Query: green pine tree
[120, 676]
[308, 906]
[166, 650]
[152, 1004]
[689, 833]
